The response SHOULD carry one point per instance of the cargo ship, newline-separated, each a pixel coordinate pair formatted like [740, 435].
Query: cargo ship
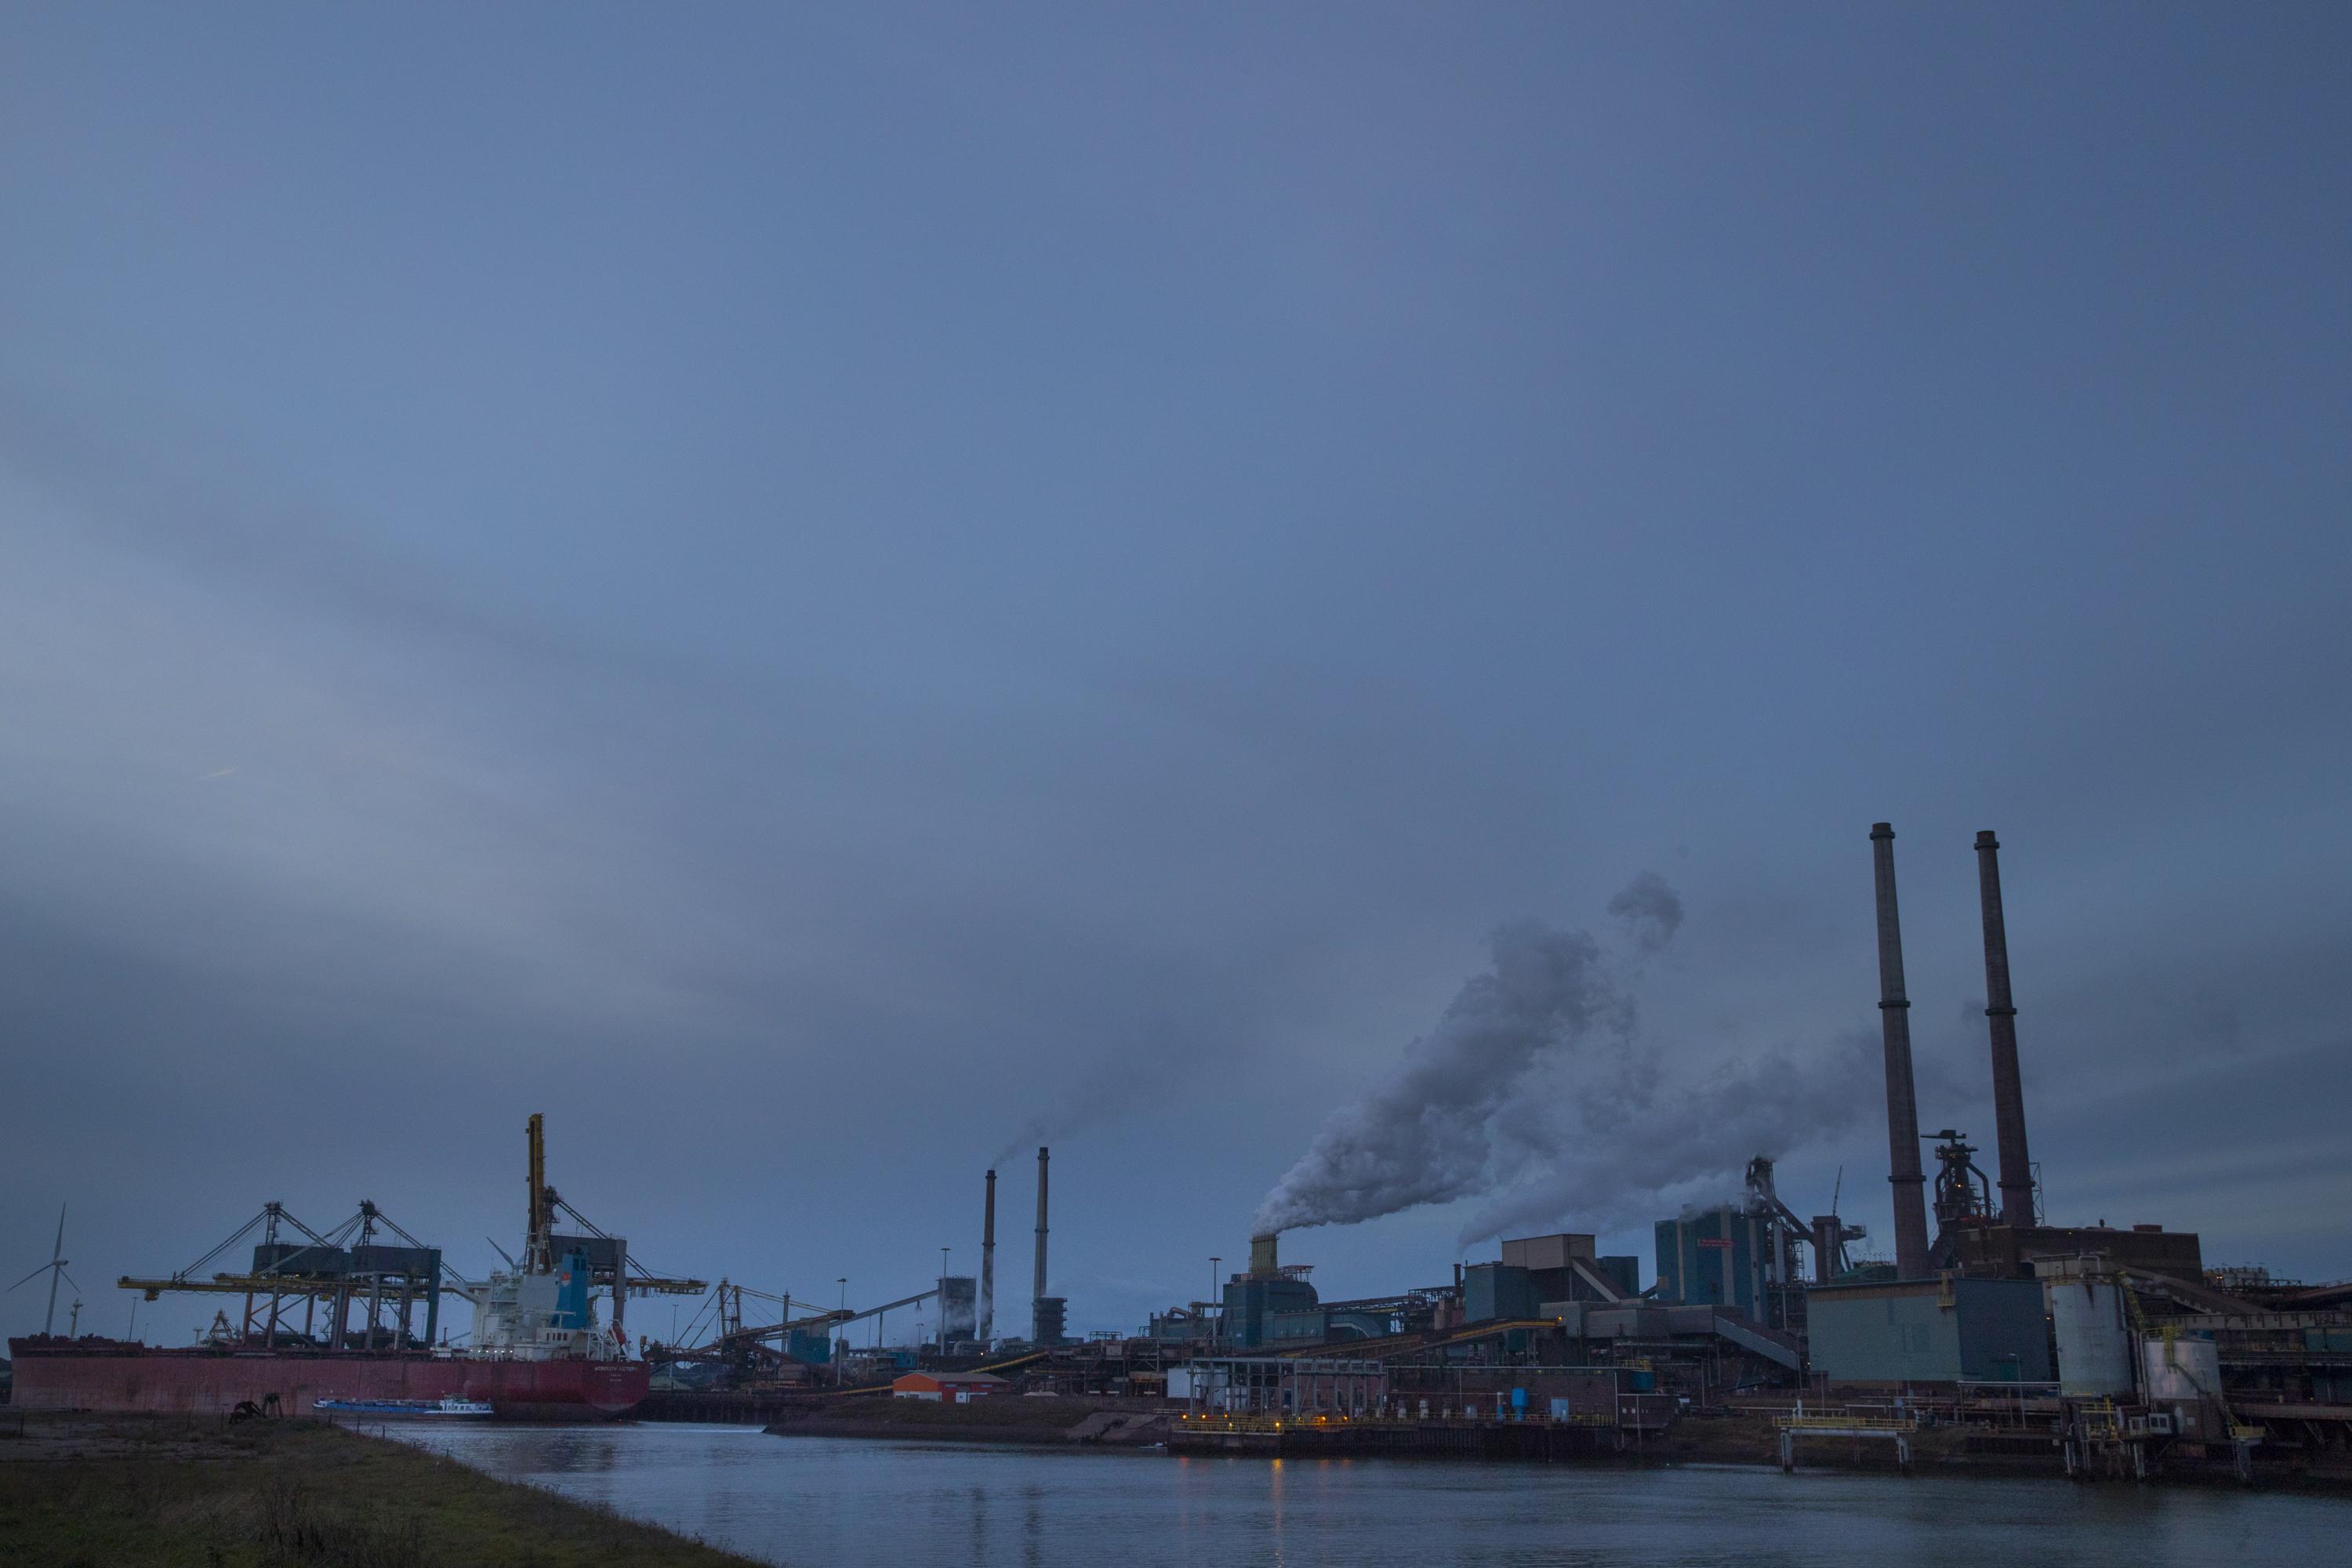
[540, 1349]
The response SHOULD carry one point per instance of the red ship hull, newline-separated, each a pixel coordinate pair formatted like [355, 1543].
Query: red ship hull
[109, 1375]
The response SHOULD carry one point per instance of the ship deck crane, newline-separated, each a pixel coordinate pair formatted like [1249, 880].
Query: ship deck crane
[610, 1262]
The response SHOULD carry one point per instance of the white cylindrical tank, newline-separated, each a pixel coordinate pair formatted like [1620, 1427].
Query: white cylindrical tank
[2086, 1317]
[2182, 1369]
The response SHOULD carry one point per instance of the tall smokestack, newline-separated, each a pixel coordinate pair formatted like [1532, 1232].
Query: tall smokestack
[1902, 1101]
[2008, 1091]
[988, 1264]
[1037, 1290]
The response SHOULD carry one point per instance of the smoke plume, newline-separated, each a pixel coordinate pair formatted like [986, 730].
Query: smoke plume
[1650, 911]
[1534, 1076]
[1420, 1136]
[1101, 1096]
[1637, 1135]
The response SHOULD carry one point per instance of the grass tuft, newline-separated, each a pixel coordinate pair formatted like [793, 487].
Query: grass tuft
[173, 1493]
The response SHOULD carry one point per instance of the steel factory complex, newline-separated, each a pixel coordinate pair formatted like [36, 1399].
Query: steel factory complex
[1995, 1332]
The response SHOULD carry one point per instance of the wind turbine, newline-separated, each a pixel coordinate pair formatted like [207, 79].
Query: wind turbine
[56, 1269]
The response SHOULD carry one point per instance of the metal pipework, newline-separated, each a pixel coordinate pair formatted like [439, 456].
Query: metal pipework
[1037, 1287]
[987, 1328]
[1904, 1173]
[2000, 1014]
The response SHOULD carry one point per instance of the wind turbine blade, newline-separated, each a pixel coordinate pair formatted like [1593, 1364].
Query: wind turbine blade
[27, 1279]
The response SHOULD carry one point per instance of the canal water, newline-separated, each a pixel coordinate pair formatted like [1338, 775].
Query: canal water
[815, 1500]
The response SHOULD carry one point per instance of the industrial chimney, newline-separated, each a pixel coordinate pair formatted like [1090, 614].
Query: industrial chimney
[987, 1328]
[1037, 1288]
[2008, 1091]
[1902, 1101]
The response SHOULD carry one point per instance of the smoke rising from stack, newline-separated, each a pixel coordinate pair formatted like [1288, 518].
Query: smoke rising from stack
[1421, 1136]
[1638, 1135]
[1101, 1094]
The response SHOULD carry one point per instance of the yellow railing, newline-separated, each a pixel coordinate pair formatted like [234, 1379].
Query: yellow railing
[1246, 1423]
[1845, 1424]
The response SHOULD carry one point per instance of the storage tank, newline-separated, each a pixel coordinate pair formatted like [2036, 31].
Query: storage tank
[2182, 1369]
[2086, 1318]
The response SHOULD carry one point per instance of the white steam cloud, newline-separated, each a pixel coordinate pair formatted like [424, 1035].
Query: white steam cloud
[1636, 1135]
[1422, 1135]
[1534, 1076]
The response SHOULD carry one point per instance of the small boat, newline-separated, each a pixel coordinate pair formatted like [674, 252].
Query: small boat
[451, 1406]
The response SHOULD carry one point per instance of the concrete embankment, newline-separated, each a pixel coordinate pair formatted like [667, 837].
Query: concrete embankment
[177, 1491]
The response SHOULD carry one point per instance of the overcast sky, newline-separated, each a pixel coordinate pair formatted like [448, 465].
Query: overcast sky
[809, 591]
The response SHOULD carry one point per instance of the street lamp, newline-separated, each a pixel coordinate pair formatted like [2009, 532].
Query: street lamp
[1213, 1261]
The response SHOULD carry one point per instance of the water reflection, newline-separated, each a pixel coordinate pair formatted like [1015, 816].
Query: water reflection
[812, 1500]
[582, 1450]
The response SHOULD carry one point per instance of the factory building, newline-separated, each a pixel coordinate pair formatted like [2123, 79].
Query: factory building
[2011, 1251]
[1498, 1291]
[1538, 1274]
[1715, 1258]
[1930, 1331]
[1742, 1257]
[1563, 1267]
[1271, 1303]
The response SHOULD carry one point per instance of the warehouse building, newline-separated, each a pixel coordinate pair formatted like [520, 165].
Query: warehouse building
[949, 1387]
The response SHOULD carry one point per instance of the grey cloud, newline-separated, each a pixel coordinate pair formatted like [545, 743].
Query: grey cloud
[1650, 910]
[797, 666]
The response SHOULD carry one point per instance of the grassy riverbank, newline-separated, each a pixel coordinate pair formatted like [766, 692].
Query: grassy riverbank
[82, 1492]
